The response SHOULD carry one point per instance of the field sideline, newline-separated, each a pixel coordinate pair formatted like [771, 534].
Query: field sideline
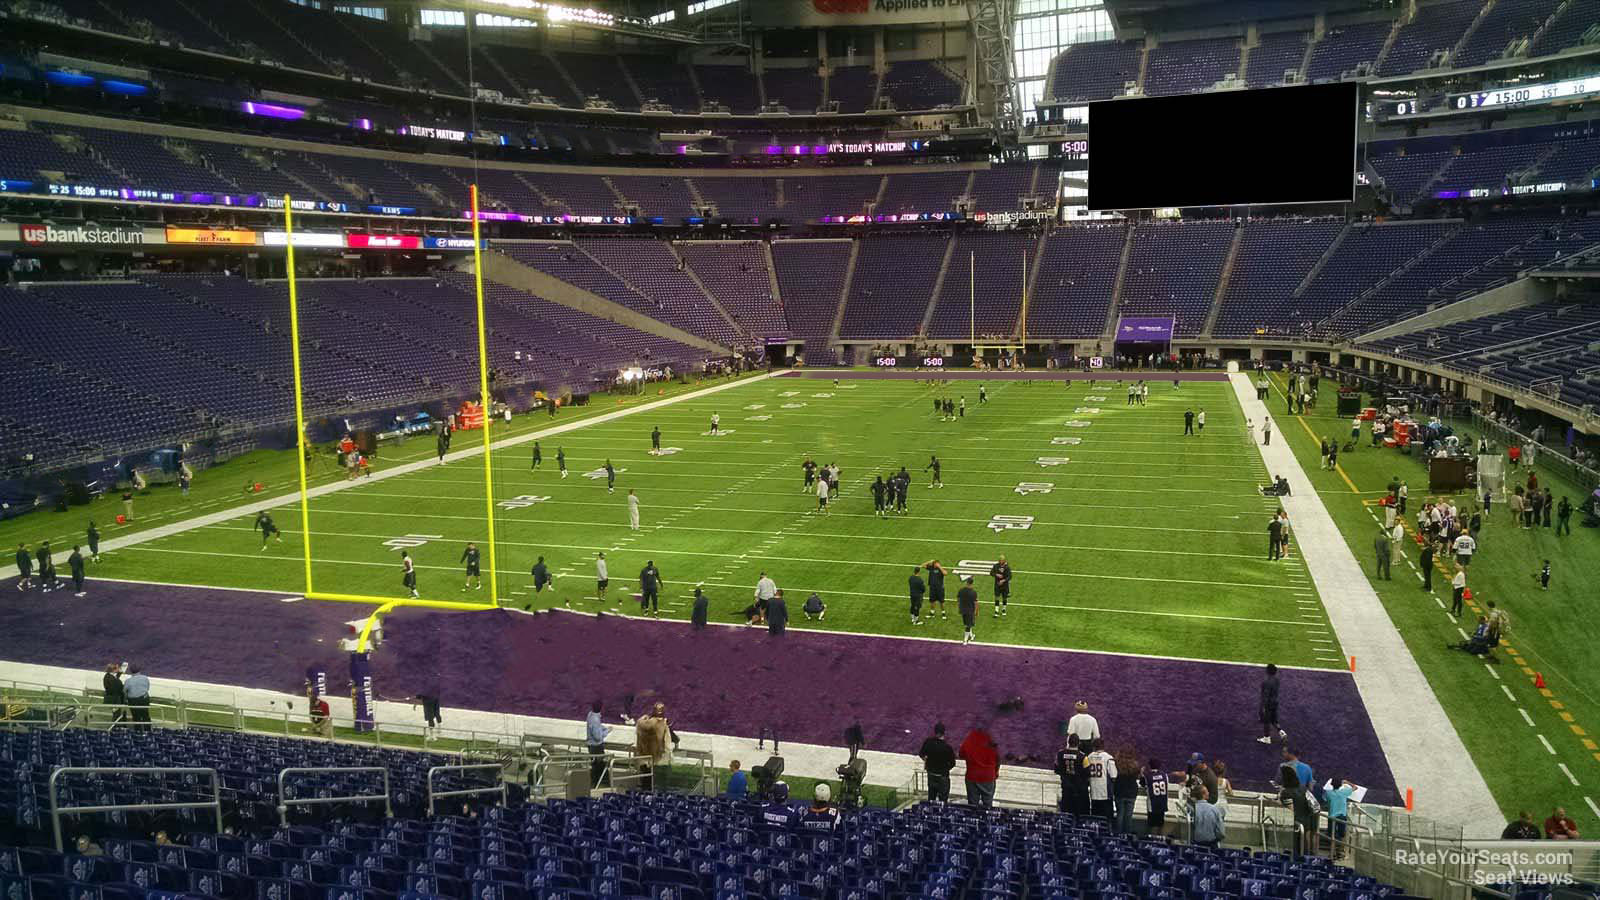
[1536, 747]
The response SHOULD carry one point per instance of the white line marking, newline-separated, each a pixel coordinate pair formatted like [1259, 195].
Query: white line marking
[1568, 772]
[1546, 744]
[1525, 717]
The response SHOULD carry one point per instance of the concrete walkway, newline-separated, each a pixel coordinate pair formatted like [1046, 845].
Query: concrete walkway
[250, 509]
[1424, 752]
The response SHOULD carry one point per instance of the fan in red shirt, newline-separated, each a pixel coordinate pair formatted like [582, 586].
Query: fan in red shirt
[983, 766]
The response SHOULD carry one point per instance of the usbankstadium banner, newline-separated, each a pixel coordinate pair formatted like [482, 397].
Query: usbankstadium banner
[836, 13]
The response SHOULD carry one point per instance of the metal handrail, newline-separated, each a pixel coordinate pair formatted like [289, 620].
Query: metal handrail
[283, 797]
[214, 804]
[433, 795]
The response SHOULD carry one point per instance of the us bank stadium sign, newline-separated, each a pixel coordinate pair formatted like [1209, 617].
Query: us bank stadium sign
[827, 13]
[81, 234]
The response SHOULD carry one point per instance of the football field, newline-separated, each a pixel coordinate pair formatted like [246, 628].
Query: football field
[1124, 535]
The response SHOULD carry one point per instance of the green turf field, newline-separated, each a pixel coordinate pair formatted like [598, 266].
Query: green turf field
[1520, 736]
[1146, 542]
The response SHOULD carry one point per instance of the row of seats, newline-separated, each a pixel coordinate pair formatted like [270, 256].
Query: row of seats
[656, 845]
[158, 359]
[1522, 347]
[440, 60]
[1454, 34]
[110, 157]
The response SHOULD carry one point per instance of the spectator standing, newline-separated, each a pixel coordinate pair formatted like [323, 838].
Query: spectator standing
[1069, 768]
[738, 782]
[983, 766]
[1208, 829]
[595, 734]
[938, 758]
[137, 691]
[1336, 799]
[1101, 769]
[1224, 787]
[93, 536]
[652, 742]
[1385, 550]
[111, 687]
[1082, 725]
[1155, 798]
[1125, 790]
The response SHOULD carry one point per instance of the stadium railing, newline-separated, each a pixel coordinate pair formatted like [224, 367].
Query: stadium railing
[496, 768]
[285, 801]
[57, 810]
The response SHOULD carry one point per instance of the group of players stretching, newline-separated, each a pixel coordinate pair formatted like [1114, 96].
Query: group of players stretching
[966, 596]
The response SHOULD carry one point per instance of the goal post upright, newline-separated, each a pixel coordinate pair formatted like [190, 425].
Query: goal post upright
[483, 384]
[301, 447]
[382, 604]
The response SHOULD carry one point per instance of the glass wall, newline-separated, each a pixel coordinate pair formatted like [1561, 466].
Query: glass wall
[1044, 28]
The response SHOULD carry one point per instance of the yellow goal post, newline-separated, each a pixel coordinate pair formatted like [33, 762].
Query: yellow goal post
[385, 604]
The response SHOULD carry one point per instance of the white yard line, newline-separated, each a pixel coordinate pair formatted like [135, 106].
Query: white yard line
[1424, 752]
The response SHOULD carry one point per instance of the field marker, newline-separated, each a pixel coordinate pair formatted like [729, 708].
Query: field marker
[1590, 801]
[1492, 671]
[1525, 717]
[1568, 772]
[1546, 744]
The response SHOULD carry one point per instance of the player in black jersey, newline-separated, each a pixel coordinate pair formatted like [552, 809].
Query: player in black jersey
[267, 528]
[470, 557]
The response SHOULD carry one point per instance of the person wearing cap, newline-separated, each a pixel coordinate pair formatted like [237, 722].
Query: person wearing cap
[821, 816]
[778, 813]
[1083, 725]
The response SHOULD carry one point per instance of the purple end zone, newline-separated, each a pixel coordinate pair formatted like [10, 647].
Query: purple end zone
[974, 375]
[807, 686]
[242, 638]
